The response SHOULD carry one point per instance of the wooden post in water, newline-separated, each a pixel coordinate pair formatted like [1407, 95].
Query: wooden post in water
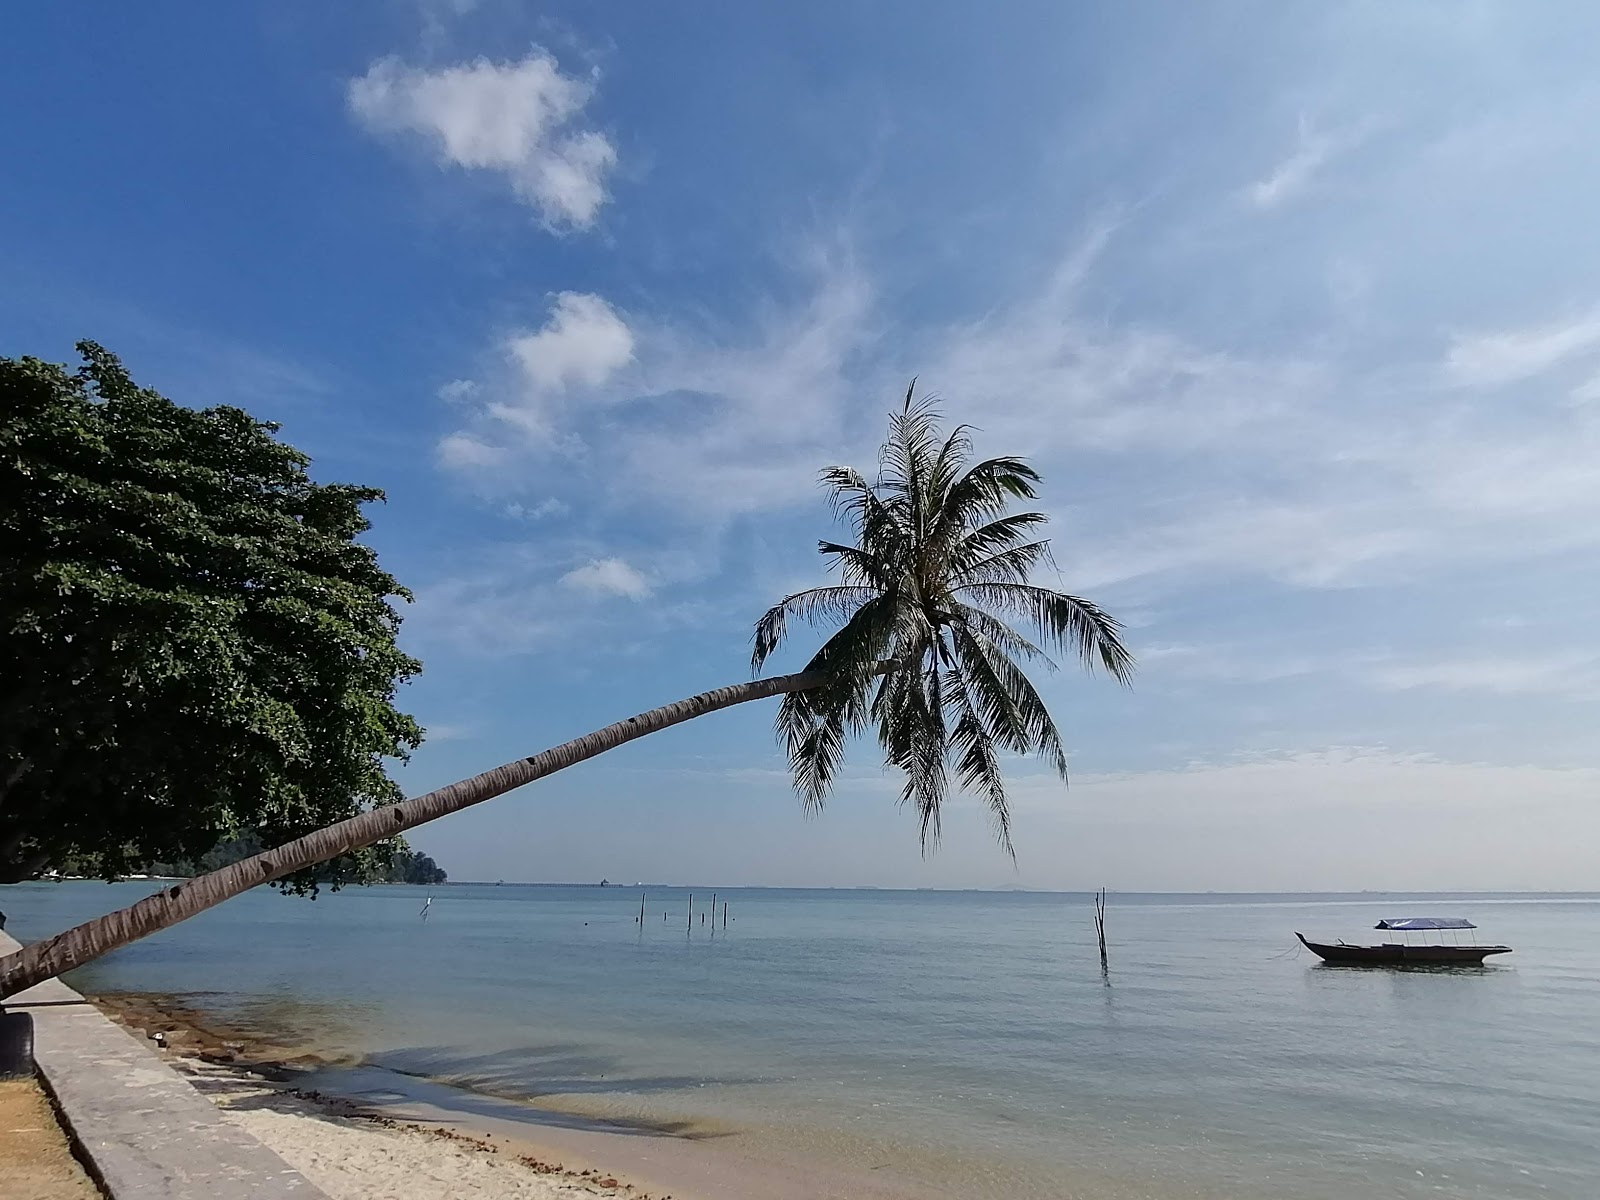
[724, 914]
[641, 910]
[1100, 927]
[713, 912]
[688, 915]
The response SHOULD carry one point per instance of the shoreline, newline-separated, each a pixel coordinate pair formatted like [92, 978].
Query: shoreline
[349, 1125]
[346, 1148]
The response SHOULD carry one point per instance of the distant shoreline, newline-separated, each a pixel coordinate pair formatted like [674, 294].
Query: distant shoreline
[1368, 893]
[1362, 894]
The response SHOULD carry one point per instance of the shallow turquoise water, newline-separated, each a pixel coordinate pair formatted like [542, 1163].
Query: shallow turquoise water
[974, 1028]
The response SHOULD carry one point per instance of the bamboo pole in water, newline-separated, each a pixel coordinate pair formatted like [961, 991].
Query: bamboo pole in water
[1100, 926]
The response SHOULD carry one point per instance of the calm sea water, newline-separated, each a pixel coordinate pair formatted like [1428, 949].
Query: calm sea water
[966, 1036]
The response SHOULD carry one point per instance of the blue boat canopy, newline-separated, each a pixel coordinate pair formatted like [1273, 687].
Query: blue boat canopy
[1425, 923]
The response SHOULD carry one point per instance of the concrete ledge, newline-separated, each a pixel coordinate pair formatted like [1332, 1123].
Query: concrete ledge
[147, 1135]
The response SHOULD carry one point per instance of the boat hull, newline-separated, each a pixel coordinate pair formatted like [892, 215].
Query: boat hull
[1396, 954]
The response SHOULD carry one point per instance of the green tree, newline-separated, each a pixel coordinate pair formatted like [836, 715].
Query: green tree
[417, 868]
[923, 653]
[195, 644]
[385, 862]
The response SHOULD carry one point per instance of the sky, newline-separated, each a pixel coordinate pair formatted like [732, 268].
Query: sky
[1296, 307]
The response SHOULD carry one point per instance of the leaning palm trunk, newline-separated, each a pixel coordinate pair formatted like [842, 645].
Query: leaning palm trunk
[86, 942]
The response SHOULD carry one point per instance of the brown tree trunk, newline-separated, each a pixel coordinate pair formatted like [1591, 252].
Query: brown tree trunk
[53, 956]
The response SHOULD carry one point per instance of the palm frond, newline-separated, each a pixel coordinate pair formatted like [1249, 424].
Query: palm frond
[1005, 566]
[977, 765]
[910, 716]
[812, 605]
[816, 749]
[1068, 621]
[1001, 711]
[857, 566]
[815, 723]
[996, 535]
[854, 500]
[1009, 703]
[908, 454]
[946, 468]
[1002, 635]
[984, 491]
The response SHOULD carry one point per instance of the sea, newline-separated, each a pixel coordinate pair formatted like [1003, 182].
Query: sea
[966, 1039]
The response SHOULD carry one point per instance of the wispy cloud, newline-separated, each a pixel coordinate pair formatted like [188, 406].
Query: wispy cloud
[520, 119]
[548, 507]
[1293, 176]
[704, 421]
[1298, 467]
[536, 596]
[1506, 356]
[1573, 675]
[1564, 674]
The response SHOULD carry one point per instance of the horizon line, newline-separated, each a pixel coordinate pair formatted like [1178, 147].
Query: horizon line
[1012, 889]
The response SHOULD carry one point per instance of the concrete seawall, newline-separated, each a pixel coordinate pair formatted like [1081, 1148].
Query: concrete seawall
[143, 1131]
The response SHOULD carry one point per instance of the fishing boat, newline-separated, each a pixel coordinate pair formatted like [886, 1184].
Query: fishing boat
[1437, 953]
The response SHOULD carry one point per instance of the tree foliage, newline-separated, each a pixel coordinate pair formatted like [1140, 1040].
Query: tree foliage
[386, 862]
[195, 645]
[938, 572]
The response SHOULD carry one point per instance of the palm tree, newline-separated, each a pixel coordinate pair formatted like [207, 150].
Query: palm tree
[937, 567]
[924, 653]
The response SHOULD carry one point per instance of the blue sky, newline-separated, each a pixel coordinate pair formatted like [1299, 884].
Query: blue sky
[1296, 306]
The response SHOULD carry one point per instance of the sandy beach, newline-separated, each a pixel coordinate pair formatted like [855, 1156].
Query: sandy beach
[363, 1133]
[348, 1149]
[352, 1156]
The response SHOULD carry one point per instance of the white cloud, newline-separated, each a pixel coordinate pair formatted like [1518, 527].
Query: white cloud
[463, 452]
[517, 118]
[1506, 356]
[1292, 177]
[584, 343]
[580, 348]
[608, 576]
